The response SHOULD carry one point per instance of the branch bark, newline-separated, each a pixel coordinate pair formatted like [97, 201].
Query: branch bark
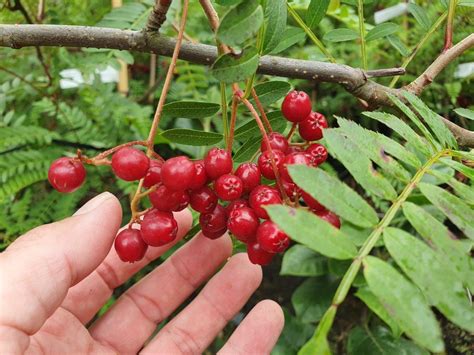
[158, 15]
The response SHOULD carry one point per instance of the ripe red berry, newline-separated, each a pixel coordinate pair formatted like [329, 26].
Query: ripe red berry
[317, 154]
[130, 164]
[178, 173]
[203, 200]
[66, 174]
[214, 224]
[243, 223]
[294, 149]
[311, 128]
[293, 159]
[159, 228]
[265, 163]
[236, 204]
[330, 217]
[228, 187]
[250, 175]
[130, 246]
[200, 179]
[291, 190]
[271, 238]
[311, 202]
[153, 176]
[164, 199]
[217, 162]
[262, 196]
[296, 106]
[257, 255]
[277, 141]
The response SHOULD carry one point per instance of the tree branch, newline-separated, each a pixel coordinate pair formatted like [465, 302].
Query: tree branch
[158, 15]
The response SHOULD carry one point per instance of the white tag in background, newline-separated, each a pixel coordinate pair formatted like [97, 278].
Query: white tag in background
[390, 13]
[464, 70]
[72, 78]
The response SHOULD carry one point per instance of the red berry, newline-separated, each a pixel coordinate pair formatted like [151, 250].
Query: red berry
[217, 162]
[294, 149]
[265, 163]
[178, 173]
[164, 199]
[200, 179]
[271, 238]
[228, 187]
[296, 106]
[158, 228]
[153, 176]
[250, 175]
[203, 199]
[236, 204]
[277, 141]
[262, 196]
[130, 164]
[330, 217]
[257, 255]
[292, 159]
[317, 154]
[66, 174]
[311, 202]
[214, 224]
[311, 128]
[243, 223]
[291, 190]
[130, 246]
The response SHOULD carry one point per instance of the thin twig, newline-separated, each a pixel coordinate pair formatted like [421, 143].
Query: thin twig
[158, 15]
[448, 35]
[233, 119]
[261, 110]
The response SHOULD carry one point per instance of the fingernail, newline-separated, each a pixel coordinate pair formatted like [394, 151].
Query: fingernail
[91, 205]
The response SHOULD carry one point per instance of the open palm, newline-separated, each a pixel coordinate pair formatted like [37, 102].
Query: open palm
[54, 279]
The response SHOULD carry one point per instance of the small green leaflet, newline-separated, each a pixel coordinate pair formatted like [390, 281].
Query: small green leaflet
[271, 91]
[316, 11]
[464, 112]
[230, 68]
[420, 15]
[302, 261]
[190, 109]
[291, 36]
[340, 35]
[346, 203]
[247, 150]
[228, 2]
[192, 137]
[306, 228]
[404, 302]
[240, 23]
[383, 30]
[396, 43]
[250, 128]
[275, 24]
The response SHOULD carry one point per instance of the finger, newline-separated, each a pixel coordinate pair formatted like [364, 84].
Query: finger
[38, 268]
[86, 298]
[134, 317]
[258, 332]
[198, 324]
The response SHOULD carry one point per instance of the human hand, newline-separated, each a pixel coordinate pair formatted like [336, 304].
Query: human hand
[55, 278]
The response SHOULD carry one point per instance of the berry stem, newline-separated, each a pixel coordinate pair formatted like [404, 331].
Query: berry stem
[233, 119]
[262, 111]
[100, 159]
[291, 132]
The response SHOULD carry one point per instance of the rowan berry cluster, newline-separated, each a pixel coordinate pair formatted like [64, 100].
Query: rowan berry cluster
[227, 199]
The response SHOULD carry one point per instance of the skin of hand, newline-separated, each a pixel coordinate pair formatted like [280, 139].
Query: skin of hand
[55, 278]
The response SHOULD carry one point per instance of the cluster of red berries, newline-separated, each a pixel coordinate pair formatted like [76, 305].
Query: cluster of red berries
[226, 199]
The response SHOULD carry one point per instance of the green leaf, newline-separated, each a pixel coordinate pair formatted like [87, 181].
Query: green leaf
[316, 11]
[247, 150]
[420, 15]
[469, 3]
[463, 169]
[340, 35]
[228, 2]
[230, 68]
[250, 128]
[311, 299]
[403, 129]
[376, 341]
[433, 120]
[461, 214]
[433, 275]
[302, 261]
[240, 23]
[192, 137]
[190, 109]
[398, 45]
[346, 203]
[404, 302]
[291, 36]
[466, 192]
[464, 112]
[383, 30]
[306, 228]
[375, 306]
[275, 25]
[271, 91]
[360, 167]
